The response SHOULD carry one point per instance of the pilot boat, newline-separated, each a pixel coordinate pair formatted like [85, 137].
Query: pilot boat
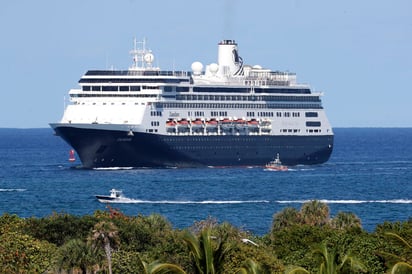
[276, 165]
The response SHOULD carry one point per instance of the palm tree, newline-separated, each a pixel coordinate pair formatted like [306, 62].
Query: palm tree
[287, 217]
[403, 262]
[105, 235]
[75, 254]
[158, 222]
[207, 252]
[345, 220]
[314, 213]
[329, 262]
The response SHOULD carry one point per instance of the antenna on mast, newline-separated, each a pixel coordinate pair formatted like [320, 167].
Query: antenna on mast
[142, 58]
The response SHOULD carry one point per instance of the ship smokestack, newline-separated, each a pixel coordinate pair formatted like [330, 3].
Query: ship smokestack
[230, 63]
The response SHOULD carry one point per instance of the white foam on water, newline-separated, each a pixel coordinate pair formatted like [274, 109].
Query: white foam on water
[113, 168]
[12, 189]
[392, 201]
[137, 201]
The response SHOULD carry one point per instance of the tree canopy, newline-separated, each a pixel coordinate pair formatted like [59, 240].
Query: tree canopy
[305, 240]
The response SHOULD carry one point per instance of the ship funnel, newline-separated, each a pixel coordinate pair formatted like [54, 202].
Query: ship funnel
[230, 63]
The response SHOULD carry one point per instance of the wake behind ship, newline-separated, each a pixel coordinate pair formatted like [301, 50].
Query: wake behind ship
[226, 114]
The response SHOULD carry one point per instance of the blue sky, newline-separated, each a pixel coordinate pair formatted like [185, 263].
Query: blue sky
[359, 53]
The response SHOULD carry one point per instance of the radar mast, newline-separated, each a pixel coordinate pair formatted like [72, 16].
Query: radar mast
[142, 58]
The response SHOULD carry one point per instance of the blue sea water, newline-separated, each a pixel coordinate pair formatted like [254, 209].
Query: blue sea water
[369, 174]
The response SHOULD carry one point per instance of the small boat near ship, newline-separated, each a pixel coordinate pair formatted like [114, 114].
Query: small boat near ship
[71, 156]
[115, 196]
[276, 165]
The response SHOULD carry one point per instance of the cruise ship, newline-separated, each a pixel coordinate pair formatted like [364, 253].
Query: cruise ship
[222, 114]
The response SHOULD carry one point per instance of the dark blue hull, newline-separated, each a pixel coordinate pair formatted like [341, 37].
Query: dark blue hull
[104, 148]
[105, 198]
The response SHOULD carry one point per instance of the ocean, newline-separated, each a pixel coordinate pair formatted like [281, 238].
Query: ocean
[369, 174]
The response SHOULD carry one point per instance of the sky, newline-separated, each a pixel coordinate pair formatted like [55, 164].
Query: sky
[358, 53]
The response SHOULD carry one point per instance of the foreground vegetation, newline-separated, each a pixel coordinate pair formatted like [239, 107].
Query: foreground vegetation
[299, 241]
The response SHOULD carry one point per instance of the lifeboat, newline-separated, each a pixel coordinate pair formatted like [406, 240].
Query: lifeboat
[171, 125]
[198, 123]
[183, 125]
[266, 123]
[240, 123]
[226, 123]
[253, 123]
[212, 123]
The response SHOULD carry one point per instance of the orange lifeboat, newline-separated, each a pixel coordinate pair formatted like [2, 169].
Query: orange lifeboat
[183, 126]
[183, 123]
[240, 123]
[197, 123]
[170, 123]
[211, 123]
[253, 123]
[226, 123]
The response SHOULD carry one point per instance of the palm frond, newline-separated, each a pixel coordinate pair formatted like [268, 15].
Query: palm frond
[297, 270]
[399, 238]
[165, 268]
[401, 268]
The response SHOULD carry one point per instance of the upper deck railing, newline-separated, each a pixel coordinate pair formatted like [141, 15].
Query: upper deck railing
[137, 73]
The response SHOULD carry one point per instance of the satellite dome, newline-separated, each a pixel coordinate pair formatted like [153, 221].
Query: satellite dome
[213, 68]
[197, 68]
[148, 58]
[257, 67]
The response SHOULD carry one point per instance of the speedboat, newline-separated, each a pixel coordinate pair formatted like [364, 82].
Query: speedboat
[276, 165]
[115, 195]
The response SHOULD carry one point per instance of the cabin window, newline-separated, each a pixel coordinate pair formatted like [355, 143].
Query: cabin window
[168, 89]
[311, 114]
[110, 88]
[155, 113]
[313, 124]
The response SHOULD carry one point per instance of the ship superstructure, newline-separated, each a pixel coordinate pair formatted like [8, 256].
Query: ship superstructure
[225, 114]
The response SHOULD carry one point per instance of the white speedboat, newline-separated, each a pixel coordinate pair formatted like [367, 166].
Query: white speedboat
[115, 195]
